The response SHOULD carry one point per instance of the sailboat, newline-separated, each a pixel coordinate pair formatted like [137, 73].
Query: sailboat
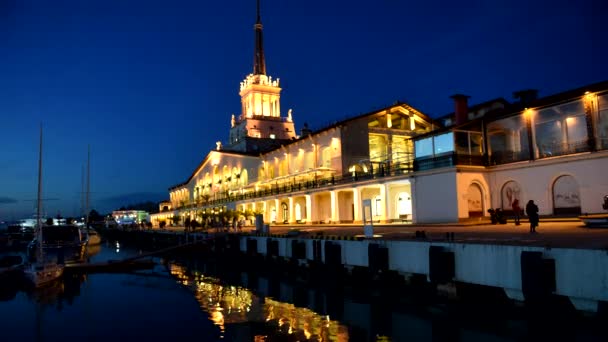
[41, 272]
[92, 235]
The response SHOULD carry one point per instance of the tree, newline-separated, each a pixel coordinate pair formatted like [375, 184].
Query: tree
[94, 216]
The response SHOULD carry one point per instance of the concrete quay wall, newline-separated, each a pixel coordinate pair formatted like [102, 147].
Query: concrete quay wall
[525, 273]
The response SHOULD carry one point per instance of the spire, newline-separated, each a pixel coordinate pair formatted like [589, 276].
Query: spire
[259, 64]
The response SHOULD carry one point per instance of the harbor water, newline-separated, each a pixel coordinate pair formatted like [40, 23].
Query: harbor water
[190, 297]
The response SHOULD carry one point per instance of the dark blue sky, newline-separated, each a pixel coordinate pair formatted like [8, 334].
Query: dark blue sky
[151, 85]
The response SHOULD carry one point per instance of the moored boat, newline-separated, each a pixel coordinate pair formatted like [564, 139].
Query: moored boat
[41, 271]
[595, 220]
[61, 244]
[93, 237]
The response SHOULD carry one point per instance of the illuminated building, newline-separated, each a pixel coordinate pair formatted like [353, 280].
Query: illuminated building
[412, 168]
[130, 216]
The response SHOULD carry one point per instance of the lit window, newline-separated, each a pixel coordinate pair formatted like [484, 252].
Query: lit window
[272, 136]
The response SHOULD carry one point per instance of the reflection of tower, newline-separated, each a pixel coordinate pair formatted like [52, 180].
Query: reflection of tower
[260, 125]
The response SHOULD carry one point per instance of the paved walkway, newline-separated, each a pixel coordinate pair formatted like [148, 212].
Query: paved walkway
[564, 233]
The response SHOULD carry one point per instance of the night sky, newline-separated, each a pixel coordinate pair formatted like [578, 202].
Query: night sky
[151, 85]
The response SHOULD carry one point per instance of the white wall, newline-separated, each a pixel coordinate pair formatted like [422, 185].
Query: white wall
[434, 197]
[536, 180]
[465, 179]
[580, 274]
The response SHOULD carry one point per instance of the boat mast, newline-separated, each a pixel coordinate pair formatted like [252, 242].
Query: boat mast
[88, 184]
[39, 200]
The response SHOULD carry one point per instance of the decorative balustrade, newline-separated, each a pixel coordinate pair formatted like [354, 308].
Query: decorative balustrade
[379, 170]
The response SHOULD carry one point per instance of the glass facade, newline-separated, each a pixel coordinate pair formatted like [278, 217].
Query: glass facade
[468, 143]
[443, 143]
[508, 140]
[602, 122]
[423, 147]
[561, 130]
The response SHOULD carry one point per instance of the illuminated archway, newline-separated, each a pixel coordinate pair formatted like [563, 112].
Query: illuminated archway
[566, 196]
[475, 200]
[510, 191]
[404, 204]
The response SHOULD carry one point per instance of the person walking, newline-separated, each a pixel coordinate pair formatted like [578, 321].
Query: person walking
[516, 210]
[532, 212]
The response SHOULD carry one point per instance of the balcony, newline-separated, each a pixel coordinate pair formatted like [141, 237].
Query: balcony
[562, 149]
[378, 170]
[447, 160]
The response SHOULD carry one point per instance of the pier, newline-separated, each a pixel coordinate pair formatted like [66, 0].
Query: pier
[564, 262]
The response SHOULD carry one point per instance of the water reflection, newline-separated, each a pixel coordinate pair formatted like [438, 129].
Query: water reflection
[230, 306]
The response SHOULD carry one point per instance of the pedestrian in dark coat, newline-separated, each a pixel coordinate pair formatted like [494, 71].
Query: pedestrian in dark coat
[532, 212]
[516, 211]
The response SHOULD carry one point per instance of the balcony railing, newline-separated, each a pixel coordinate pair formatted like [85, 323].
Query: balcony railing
[505, 157]
[561, 149]
[379, 170]
[447, 160]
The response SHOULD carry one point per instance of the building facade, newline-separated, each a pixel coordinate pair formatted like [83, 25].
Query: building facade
[413, 169]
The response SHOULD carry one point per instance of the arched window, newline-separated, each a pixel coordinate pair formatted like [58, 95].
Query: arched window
[226, 177]
[566, 198]
[404, 204]
[234, 178]
[475, 196]
[510, 191]
[326, 155]
[244, 180]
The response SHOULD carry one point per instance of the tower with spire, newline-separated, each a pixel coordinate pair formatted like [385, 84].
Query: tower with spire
[260, 126]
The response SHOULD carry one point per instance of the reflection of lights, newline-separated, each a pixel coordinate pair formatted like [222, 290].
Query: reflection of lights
[233, 304]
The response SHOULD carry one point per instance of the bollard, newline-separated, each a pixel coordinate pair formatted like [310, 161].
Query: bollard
[377, 257]
[441, 265]
[298, 249]
[537, 275]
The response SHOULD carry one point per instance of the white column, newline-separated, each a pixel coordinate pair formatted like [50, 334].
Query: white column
[334, 205]
[414, 204]
[276, 210]
[291, 213]
[388, 203]
[357, 204]
[308, 209]
[383, 206]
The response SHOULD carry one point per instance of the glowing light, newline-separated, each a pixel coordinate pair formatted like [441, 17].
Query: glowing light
[232, 304]
[589, 96]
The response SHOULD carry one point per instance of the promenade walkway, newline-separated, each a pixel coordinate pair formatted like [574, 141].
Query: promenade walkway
[553, 233]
